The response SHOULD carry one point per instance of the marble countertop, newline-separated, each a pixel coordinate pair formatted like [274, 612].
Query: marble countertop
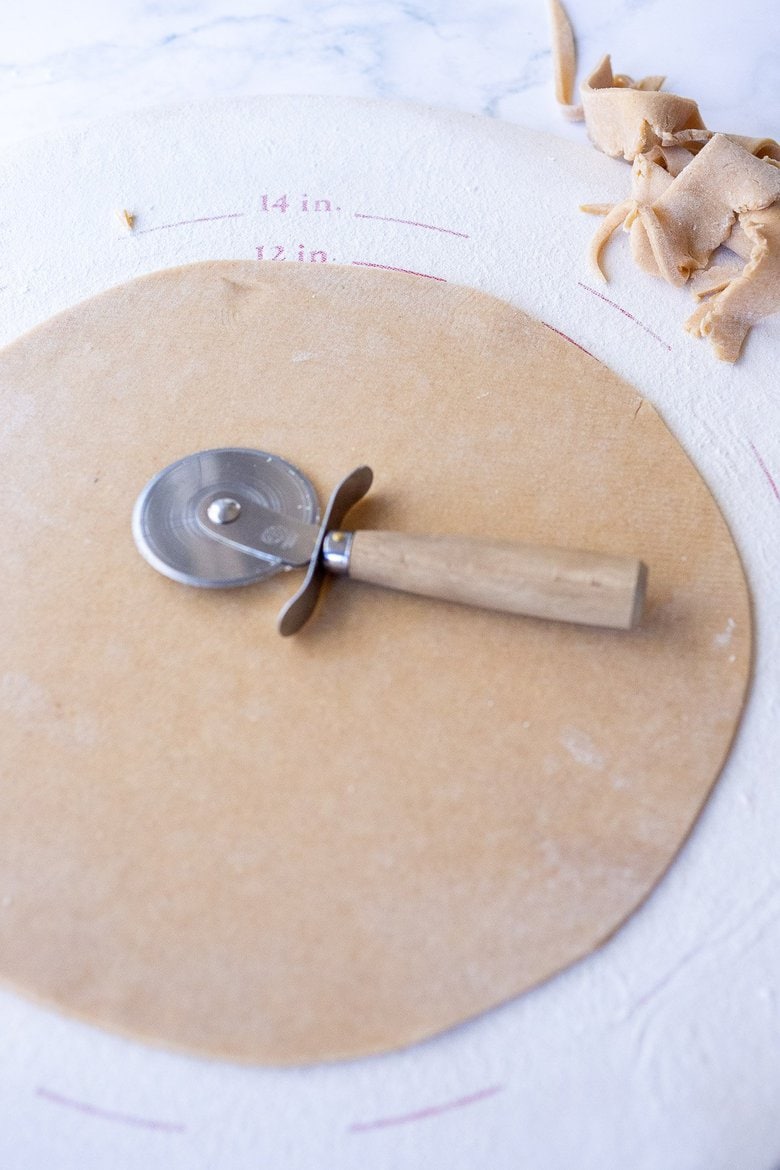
[66, 65]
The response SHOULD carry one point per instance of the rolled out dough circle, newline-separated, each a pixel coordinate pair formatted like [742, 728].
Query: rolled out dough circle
[293, 850]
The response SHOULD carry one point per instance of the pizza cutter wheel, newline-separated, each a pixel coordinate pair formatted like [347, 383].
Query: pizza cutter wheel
[233, 516]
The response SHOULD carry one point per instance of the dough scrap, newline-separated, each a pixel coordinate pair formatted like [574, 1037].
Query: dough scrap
[696, 211]
[564, 62]
[693, 190]
[735, 306]
[625, 118]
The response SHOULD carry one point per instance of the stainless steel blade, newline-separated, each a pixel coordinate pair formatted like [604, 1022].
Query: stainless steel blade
[171, 536]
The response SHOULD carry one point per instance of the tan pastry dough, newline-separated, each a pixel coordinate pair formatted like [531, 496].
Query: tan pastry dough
[691, 190]
[695, 212]
[625, 118]
[564, 61]
[287, 850]
[739, 302]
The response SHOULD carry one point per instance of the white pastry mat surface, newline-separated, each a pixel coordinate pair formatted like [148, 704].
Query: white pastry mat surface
[452, 200]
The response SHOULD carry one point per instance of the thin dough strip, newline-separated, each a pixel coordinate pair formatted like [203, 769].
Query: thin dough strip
[614, 218]
[564, 61]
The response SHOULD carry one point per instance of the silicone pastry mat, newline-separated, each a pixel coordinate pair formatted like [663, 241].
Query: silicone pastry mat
[448, 197]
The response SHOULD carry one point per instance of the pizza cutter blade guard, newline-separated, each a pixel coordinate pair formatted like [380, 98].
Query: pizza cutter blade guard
[233, 516]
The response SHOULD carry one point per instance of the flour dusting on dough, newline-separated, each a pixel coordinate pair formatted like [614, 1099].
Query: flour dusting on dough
[29, 703]
[22, 410]
[582, 748]
[724, 638]
[20, 696]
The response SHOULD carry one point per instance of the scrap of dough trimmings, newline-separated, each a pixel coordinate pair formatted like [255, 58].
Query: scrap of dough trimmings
[126, 218]
[692, 191]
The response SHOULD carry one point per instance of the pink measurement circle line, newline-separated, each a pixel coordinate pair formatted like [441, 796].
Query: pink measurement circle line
[109, 1115]
[392, 268]
[571, 339]
[432, 227]
[766, 471]
[183, 222]
[625, 313]
[429, 1111]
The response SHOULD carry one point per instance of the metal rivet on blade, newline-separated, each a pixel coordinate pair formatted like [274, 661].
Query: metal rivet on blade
[223, 511]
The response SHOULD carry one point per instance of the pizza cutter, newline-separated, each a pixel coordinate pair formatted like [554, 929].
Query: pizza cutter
[233, 516]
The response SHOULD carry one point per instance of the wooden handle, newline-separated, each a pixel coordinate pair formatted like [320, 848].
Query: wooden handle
[593, 589]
